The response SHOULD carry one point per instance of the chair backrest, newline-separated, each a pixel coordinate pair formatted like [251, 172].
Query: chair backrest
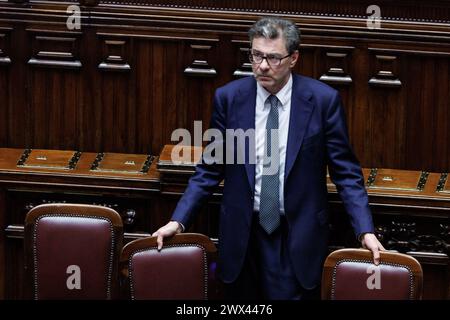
[72, 251]
[178, 271]
[350, 274]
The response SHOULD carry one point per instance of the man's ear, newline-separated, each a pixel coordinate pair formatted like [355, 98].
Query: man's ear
[294, 58]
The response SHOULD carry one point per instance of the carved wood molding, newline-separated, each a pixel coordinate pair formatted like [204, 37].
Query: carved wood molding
[115, 52]
[386, 74]
[338, 60]
[431, 11]
[242, 50]
[5, 46]
[322, 18]
[89, 3]
[200, 66]
[405, 237]
[57, 49]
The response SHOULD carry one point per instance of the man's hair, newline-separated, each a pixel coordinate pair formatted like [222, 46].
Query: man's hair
[275, 27]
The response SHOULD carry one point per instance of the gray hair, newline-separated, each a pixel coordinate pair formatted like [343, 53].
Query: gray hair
[275, 27]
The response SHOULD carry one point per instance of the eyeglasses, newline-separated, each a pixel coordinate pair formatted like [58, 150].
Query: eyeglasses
[272, 60]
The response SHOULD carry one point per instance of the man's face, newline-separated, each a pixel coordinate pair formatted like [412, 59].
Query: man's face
[272, 77]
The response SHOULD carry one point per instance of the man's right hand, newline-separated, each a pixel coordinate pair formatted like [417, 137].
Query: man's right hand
[169, 230]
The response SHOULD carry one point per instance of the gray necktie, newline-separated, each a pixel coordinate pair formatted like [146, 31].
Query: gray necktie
[269, 205]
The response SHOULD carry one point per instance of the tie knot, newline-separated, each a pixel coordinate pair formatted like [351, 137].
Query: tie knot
[273, 101]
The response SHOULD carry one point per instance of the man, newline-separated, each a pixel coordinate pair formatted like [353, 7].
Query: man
[274, 222]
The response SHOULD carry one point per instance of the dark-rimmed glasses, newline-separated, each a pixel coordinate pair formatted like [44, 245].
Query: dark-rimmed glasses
[272, 60]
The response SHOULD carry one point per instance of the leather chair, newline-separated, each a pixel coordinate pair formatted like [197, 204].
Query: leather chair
[350, 274]
[72, 251]
[178, 271]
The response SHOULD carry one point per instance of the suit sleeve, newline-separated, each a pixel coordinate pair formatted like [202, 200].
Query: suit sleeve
[345, 170]
[207, 175]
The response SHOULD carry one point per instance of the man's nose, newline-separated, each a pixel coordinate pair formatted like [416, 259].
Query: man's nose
[264, 64]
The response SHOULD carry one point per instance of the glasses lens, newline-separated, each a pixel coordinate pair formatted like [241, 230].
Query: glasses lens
[274, 61]
[255, 58]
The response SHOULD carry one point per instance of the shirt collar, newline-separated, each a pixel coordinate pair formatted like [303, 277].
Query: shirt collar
[283, 95]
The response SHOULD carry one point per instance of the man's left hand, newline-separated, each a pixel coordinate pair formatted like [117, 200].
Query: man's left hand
[370, 241]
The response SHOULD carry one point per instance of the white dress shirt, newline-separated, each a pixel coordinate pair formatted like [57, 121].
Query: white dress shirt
[261, 114]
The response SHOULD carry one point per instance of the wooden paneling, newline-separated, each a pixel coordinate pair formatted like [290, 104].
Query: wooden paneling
[5, 65]
[125, 86]
[430, 104]
[53, 108]
[5, 60]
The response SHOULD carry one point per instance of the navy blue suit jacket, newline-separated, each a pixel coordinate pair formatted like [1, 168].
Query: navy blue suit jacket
[317, 137]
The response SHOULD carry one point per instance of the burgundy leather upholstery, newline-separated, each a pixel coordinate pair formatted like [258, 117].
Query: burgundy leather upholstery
[350, 274]
[178, 271]
[73, 251]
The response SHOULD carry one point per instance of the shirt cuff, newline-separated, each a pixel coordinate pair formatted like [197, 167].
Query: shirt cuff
[181, 225]
[360, 237]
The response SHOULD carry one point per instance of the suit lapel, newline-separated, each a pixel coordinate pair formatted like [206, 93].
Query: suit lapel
[301, 110]
[245, 104]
